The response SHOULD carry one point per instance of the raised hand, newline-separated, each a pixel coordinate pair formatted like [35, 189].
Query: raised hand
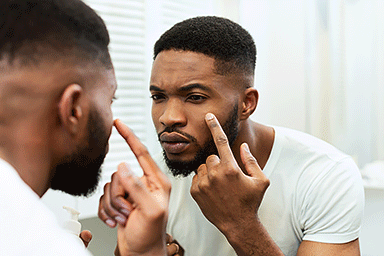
[139, 205]
[225, 194]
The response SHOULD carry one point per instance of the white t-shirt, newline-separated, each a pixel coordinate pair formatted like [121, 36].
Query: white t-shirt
[316, 193]
[27, 226]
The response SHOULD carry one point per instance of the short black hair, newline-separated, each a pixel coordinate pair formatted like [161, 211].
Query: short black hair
[32, 30]
[227, 42]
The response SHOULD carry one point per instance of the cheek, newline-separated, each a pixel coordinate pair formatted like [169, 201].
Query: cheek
[109, 122]
[155, 117]
[107, 119]
[204, 131]
[199, 129]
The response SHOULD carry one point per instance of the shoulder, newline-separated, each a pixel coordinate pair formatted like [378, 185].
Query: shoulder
[306, 144]
[28, 226]
[299, 156]
[315, 162]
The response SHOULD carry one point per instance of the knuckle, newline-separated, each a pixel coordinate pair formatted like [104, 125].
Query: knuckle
[106, 187]
[107, 210]
[204, 186]
[115, 203]
[211, 159]
[113, 176]
[213, 124]
[101, 200]
[101, 214]
[214, 178]
[231, 171]
[105, 213]
[251, 159]
[169, 238]
[142, 151]
[193, 190]
[266, 182]
[201, 167]
[221, 139]
[263, 183]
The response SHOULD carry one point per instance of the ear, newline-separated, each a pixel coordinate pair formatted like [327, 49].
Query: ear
[70, 109]
[251, 97]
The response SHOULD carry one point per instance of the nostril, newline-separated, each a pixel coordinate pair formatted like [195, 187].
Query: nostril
[173, 117]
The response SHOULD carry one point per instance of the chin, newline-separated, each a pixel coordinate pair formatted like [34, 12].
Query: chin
[179, 157]
[182, 167]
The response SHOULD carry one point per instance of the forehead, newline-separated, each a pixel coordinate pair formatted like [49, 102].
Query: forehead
[177, 68]
[184, 60]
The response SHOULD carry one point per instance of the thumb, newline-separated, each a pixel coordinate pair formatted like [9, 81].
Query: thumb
[251, 166]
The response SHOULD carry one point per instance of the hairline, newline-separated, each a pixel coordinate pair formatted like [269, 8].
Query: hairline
[218, 63]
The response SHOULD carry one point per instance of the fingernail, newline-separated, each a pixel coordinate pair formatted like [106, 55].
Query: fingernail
[209, 116]
[246, 147]
[110, 223]
[125, 212]
[120, 220]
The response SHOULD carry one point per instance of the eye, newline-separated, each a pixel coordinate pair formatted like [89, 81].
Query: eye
[157, 97]
[113, 99]
[196, 98]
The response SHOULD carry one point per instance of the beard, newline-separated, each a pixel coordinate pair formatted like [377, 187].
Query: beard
[78, 174]
[185, 168]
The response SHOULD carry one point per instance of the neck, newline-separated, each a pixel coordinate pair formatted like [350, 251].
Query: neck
[23, 148]
[260, 140]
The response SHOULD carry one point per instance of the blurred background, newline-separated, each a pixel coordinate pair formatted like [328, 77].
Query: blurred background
[320, 69]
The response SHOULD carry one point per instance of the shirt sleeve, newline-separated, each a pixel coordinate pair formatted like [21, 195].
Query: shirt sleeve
[333, 204]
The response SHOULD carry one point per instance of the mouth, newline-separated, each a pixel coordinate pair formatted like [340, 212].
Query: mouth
[174, 143]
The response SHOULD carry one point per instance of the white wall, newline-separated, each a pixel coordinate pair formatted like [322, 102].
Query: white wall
[320, 70]
[278, 30]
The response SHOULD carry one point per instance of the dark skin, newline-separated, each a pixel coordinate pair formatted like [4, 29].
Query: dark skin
[44, 111]
[236, 170]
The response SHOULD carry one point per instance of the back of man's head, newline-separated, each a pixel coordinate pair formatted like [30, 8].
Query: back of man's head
[227, 42]
[32, 31]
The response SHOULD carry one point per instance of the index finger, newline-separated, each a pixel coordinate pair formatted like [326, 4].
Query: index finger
[141, 153]
[221, 140]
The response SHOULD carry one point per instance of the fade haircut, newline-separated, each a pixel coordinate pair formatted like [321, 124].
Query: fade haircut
[227, 42]
[36, 30]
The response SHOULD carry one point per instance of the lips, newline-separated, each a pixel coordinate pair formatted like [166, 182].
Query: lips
[174, 143]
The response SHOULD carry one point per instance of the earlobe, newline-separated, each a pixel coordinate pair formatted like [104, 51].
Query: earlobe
[70, 109]
[251, 97]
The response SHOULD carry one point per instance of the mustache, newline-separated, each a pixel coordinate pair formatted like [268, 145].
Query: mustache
[173, 129]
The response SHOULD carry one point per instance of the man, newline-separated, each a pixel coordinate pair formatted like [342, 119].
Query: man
[56, 89]
[314, 204]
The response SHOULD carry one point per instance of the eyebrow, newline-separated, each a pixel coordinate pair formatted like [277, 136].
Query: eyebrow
[195, 86]
[184, 88]
[155, 88]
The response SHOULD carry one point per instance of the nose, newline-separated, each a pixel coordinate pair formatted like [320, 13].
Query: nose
[173, 115]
